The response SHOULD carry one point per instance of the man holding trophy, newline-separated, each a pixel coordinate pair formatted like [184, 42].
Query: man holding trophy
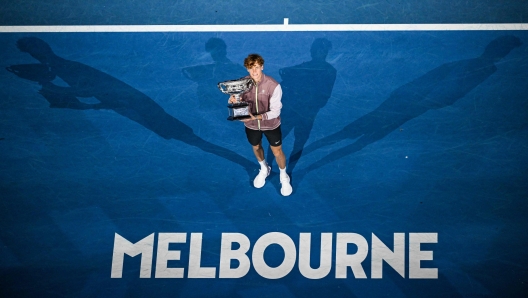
[262, 100]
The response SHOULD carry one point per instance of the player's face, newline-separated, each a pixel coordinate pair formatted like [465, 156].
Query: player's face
[256, 72]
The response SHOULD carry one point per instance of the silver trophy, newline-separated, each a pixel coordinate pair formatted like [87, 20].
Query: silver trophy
[240, 109]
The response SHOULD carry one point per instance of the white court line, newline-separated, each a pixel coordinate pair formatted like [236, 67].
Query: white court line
[286, 27]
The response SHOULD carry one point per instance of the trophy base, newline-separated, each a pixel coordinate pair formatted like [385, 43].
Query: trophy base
[231, 118]
[238, 111]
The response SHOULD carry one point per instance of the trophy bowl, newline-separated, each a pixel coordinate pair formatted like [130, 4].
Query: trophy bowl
[34, 72]
[238, 110]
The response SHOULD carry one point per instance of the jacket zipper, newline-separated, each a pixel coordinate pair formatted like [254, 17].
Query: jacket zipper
[256, 102]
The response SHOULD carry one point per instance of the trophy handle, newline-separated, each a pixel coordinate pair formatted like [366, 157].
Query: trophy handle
[222, 88]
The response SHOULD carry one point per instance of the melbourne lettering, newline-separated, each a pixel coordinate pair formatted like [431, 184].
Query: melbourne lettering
[296, 254]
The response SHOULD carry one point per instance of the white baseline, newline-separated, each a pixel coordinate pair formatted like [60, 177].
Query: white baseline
[286, 27]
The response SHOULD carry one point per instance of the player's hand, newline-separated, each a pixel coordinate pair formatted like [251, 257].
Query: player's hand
[232, 99]
[249, 119]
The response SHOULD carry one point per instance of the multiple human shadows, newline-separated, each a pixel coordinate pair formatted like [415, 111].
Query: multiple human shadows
[112, 94]
[306, 89]
[437, 89]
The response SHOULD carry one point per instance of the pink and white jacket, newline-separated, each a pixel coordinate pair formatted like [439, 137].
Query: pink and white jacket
[264, 99]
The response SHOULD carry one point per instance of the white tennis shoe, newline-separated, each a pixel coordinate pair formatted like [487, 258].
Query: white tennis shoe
[260, 180]
[286, 188]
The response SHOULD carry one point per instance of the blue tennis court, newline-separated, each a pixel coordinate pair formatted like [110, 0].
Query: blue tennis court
[121, 176]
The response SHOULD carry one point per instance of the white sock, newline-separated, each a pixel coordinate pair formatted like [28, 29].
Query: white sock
[283, 172]
[263, 165]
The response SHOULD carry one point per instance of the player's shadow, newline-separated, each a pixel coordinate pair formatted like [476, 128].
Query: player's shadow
[438, 88]
[207, 76]
[306, 89]
[86, 82]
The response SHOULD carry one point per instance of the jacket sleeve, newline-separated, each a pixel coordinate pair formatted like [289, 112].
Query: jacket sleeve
[275, 104]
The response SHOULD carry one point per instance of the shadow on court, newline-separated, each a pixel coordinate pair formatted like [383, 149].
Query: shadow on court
[438, 88]
[112, 94]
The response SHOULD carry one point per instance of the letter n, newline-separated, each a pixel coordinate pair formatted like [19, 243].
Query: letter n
[123, 246]
[395, 259]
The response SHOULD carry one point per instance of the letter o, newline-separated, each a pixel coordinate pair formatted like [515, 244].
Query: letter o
[290, 255]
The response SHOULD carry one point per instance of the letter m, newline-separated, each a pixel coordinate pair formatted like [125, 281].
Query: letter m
[123, 246]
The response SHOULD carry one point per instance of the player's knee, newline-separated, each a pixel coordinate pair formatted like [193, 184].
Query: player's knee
[277, 151]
